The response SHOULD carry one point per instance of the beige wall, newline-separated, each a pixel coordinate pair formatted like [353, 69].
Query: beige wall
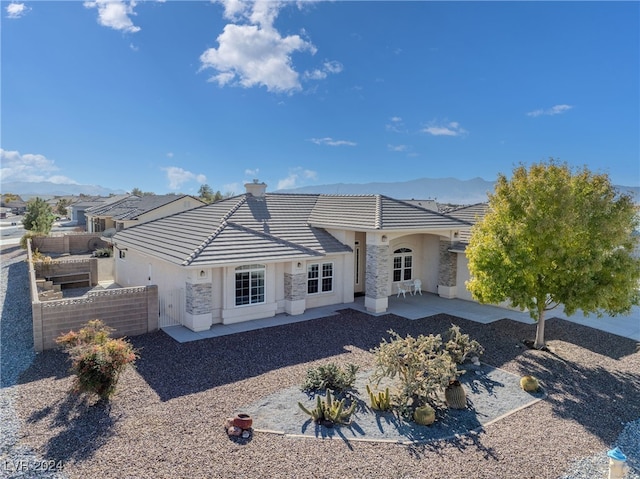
[130, 311]
[69, 243]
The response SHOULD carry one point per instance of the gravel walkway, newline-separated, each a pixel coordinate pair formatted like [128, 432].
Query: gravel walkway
[166, 420]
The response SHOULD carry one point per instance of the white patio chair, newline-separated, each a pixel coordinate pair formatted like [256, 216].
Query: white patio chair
[401, 291]
[417, 287]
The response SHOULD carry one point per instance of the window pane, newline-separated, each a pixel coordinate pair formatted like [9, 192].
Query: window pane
[397, 262]
[407, 261]
[327, 269]
[327, 284]
[312, 286]
[407, 274]
[396, 275]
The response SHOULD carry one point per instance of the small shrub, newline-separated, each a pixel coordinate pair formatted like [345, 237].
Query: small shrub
[330, 376]
[97, 359]
[103, 253]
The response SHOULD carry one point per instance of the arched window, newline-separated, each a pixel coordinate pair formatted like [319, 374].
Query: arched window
[402, 264]
[250, 284]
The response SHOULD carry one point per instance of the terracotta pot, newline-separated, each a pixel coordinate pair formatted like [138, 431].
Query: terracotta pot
[243, 421]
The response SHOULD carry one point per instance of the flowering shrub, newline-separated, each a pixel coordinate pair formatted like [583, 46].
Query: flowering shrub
[97, 359]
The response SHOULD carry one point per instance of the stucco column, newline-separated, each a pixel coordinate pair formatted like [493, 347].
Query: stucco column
[377, 273]
[448, 270]
[295, 288]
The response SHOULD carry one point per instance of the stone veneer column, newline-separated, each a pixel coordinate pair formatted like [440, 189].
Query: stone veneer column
[377, 278]
[198, 306]
[448, 270]
[295, 293]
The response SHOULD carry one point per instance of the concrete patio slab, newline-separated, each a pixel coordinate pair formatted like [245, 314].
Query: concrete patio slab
[416, 307]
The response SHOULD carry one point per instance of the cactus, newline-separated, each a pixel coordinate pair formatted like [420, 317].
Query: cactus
[455, 396]
[380, 401]
[529, 384]
[424, 415]
[329, 410]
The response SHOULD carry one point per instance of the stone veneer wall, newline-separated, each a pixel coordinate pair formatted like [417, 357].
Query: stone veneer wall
[198, 298]
[448, 265]
[295, 286]
[377, 279]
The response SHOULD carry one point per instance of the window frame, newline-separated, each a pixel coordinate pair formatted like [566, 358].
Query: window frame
[402, 263]
[321, 279]
[250, 285]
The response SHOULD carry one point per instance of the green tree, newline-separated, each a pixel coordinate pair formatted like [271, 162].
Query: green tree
[39, 217]
[139, 192]
[553, 236]
[61, 206]
[206, 194]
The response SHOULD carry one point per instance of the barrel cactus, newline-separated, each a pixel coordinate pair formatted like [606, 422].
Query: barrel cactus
[424, 415]
[529, 384]
[455, 396]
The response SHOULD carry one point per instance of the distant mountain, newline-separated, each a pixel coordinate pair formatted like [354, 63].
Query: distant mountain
[444, 190]
[46, 188]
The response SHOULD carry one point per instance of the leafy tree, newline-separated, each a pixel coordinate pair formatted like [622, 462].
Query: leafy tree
[139, 192]
[555, 236]
[205, 193]
[38, 217]
[61, 206]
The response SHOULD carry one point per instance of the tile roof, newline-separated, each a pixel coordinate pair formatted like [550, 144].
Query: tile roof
[377, 212]
[471, 214]
[131, 207]
[273, 227]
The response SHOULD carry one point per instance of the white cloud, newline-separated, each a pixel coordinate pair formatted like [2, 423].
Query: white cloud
[16, 10]
[296, 177]
[329, 67]
[251, 52]
[115, 14]
[178, 176]
[397, 148]
[554, 110]
[451, 128]
[252, 173]
[331, 142]
[395, 124]
[29, 167]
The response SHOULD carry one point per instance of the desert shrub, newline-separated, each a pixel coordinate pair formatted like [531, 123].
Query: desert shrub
[421, 365]
[97, 358]
[103, 253]
[330, 376]
[460, 346]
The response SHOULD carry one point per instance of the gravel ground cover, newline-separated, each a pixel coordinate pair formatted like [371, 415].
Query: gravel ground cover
[491, 394]
[166, 419]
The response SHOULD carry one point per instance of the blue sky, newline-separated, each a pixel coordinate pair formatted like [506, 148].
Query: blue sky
[165, 96]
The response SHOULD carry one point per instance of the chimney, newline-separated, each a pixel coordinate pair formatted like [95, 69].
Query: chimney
[256, 189]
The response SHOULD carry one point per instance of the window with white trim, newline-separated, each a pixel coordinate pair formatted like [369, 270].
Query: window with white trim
[250, 284]
[319, 278]
[402, 264]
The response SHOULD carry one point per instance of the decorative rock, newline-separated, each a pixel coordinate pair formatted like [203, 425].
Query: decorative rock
[228, 423]
[234, 431]
[246, 434]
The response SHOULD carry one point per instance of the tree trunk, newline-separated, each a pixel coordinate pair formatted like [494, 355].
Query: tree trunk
[539, 342]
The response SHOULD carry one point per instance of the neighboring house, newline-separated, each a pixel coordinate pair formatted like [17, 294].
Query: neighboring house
[426, 204]
[134, 210]
[78, 209]
[258, 254]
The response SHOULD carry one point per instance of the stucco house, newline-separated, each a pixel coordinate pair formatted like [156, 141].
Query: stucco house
[132, 210]
[259, 254]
